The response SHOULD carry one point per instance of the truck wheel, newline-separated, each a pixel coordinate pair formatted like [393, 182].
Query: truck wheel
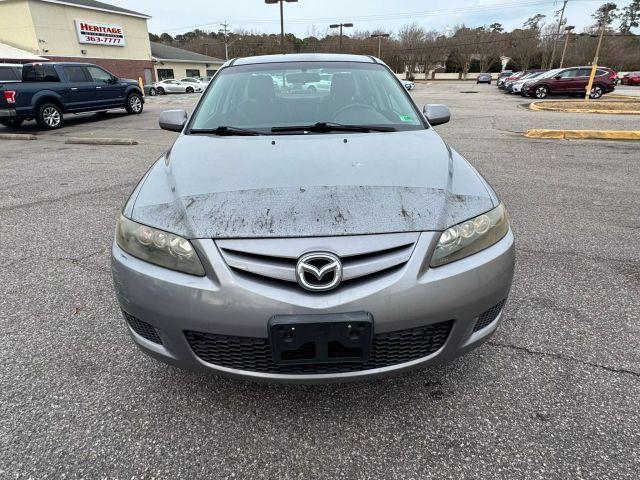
[134, 103]
[49, 116]
[11, 122]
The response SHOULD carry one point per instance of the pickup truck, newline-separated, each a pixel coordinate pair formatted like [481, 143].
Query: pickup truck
[48, 91]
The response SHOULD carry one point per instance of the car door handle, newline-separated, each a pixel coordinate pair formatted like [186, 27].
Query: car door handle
[98, 88]
[74, 88]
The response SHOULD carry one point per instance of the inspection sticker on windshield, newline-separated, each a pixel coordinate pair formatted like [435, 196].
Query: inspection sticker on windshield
[406, 118]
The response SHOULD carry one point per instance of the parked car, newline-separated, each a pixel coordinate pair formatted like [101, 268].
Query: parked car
[573, 82]
[310, 238]
[48, 91]
[205, 79]
[10, 72]
[484, 78]
[174, 86]
[194, 81]
[631, 78]
[502, 77]
[408, 84]
[508, 84]
[516, 87]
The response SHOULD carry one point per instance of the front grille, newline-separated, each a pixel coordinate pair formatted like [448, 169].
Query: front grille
[142, 328]
[254, 354]
[488, 316]
[363, 257]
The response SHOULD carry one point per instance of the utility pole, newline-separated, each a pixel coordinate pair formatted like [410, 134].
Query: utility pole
[225, 31]
[555, 38]
[345, 25]
[594, 64]
[567, 29]
[380, 36]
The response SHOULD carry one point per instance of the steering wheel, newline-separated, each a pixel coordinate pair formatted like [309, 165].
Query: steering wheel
[354, 106]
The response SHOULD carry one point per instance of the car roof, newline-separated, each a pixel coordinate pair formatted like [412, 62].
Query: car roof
[304, 57]
[10, 65]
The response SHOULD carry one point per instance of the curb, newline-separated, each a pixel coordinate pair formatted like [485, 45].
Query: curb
[537, 106]
[17, 136]
[583, 134]
[101, 141]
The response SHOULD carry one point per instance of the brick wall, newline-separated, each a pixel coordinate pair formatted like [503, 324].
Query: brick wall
[121, 68]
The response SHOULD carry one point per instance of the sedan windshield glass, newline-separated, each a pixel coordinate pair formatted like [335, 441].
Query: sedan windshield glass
[263, 96]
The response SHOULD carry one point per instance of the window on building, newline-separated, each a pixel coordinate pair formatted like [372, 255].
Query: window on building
[164, 73]
[99, 75]
[193, 72]
[76, 74]
[211, 73]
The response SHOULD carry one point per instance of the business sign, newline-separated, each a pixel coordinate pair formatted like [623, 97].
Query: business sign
[100, 33]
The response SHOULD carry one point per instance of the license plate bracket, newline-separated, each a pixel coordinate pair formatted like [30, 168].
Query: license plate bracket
[333, 338]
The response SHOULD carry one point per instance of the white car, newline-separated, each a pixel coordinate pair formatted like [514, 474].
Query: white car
[196, 82]
[408, 85]
[174, 86]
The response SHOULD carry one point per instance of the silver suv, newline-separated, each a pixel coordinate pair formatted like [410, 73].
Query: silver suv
[324, 237]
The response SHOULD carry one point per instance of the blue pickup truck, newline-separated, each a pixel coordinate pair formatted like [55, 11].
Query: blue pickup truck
[50, 90]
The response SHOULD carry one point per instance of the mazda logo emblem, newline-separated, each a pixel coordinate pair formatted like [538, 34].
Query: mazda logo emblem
[319, 271]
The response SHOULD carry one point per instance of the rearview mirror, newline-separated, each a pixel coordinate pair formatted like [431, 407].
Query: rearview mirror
[173, 120]
[436, 113]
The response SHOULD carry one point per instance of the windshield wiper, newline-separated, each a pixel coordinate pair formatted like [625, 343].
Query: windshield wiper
[224, 130]
[324, 127]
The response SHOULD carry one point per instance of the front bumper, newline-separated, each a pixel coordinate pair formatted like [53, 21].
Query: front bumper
[174, 305]
[8, 113]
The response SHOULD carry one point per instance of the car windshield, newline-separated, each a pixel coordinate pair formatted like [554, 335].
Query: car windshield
[260, 97]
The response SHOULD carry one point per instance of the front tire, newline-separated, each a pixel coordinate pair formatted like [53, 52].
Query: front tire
[49, 116]
[11, 122]
[153, 92]
[134, 104]
[189, 89]
[542, 92]
[161, 91]
[596, 92]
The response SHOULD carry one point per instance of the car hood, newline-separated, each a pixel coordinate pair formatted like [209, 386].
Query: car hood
[309, 185]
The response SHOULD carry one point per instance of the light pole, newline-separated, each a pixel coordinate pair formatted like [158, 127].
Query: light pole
[281, 18]
[225, 31]
[567, 29]
[345, 25]
[380, 36]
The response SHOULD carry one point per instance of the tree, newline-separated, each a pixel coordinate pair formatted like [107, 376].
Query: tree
[630, 17]
[605, 14]
[533, 23]
[497, 27]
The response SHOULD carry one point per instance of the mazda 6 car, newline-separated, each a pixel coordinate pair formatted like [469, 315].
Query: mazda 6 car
[310, 238]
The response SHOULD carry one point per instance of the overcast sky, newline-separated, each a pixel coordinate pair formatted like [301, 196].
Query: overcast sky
[301, 18]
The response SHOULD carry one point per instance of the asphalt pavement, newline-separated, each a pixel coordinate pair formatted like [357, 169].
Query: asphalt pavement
[553, 395]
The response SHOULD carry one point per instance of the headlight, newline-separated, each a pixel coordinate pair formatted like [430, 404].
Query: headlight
[158, 247]
[471, 236]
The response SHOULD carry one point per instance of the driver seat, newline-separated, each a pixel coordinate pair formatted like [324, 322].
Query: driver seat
[342, 93]
[259, 108]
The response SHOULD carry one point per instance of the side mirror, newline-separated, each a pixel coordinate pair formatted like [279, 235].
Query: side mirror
[113, 80]
[558, 77]
[173, 120]
[436, 113]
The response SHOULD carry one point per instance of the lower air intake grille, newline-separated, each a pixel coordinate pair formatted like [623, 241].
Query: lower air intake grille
[142, 328]
[254, 354]
[487, 317]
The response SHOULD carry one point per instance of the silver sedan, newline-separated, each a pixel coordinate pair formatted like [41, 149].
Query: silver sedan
[324, 238]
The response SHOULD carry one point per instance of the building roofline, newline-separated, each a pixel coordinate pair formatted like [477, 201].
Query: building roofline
[129, 13]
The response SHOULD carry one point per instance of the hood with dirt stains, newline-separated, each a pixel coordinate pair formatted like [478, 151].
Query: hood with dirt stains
[309, 185]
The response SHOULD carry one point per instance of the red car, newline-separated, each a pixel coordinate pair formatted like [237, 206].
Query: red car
[573, 82]
[631, 78]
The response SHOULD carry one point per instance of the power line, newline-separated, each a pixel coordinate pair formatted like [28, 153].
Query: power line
[388, 16]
